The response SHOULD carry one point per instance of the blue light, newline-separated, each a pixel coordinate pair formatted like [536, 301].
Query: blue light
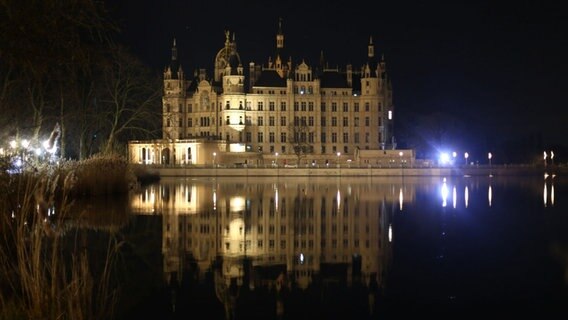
[444, 158]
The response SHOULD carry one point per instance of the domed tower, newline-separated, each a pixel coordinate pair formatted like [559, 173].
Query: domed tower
[174, 94]
[229, 71]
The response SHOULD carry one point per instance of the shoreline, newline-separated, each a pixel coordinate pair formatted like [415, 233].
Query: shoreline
[195, 171]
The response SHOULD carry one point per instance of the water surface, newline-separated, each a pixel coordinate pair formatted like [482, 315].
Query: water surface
[348, 248]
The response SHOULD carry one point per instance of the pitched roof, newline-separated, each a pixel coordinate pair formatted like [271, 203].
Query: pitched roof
[333, 79]
[270, 78]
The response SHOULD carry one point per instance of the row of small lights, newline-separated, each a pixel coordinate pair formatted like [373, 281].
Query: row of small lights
[26, 145]
[444, 157]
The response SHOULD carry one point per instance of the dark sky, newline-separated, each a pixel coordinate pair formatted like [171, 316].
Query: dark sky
[499, 67]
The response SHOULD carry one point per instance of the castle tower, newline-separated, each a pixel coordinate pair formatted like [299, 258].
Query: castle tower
[172, 100]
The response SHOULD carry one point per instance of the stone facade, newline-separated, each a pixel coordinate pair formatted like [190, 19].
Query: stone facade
[278, 111]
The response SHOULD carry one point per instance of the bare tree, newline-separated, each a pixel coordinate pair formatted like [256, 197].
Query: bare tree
[46, 46]
[132, 100]
[299, 139]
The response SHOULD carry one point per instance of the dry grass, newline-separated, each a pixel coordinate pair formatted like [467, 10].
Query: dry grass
[48, 271]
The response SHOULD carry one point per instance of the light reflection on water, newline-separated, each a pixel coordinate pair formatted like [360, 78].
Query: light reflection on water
[317, 230]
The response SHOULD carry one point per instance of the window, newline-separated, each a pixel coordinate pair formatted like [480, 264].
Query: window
[334, 121]
[323, 137]
[311, 121]
[323, 107]
[260, 137]
[345, 137]
[356, 121]
[249, 137]
[334, 107]
[310, 105]
[323, 121]
[283, 121]
[189, 108]
[260, 121]
[189, 122]
[367, 121]
[282, 106]
[356, 107]
[334, 137]
[345, 107]
[271, 121]
[283, 137]
[345, 121]
[303, 106]
[366, 106]
[356, 137]
[271, 106]
[260, 106]
[296, 106]
[271, 137]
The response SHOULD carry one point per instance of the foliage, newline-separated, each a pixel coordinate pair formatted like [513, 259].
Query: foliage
[96, 176]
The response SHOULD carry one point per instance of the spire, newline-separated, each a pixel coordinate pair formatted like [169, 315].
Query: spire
[371, 48]
[174, 51]
[227, 37]
[280, 36]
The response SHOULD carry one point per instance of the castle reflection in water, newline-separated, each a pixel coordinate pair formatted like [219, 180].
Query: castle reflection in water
[260, 228]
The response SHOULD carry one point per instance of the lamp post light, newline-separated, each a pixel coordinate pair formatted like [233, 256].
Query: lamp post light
[466, 155]
[454, 155]
[489, 156]
[276, 163]
[338, 155]
[215, 159]
[544, 158]
[552, 157]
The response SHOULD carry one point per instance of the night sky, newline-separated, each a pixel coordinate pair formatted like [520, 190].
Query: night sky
[495, 69]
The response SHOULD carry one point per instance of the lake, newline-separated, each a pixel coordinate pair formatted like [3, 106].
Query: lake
[346, 248]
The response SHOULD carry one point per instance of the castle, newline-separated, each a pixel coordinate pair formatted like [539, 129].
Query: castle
[278, 113]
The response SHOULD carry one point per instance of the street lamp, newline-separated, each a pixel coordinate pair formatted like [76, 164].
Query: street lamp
[454, 154]
[544, 158]
[400, 154]
[277, 167]
[552, 157]
[466, 155]
[215, 159]
[489, 156]
[338, 155]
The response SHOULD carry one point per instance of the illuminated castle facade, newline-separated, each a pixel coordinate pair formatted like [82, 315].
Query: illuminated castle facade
[281, 110]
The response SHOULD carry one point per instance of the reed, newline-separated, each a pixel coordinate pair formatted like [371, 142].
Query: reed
[47, 270]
